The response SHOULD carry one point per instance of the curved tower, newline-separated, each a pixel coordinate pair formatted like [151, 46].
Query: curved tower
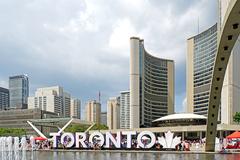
[151, 86]
[201, 53]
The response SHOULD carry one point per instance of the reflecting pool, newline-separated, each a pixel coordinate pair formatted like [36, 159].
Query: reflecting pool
[88, 155]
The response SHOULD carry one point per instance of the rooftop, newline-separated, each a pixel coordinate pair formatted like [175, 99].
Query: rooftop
[180, 116]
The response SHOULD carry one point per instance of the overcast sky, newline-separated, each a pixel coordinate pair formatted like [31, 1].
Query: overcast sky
[83, 46]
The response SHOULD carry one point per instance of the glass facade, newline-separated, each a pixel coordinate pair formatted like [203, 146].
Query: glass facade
[4, 98]
[19, 91]
[205, 48]
[153, 87]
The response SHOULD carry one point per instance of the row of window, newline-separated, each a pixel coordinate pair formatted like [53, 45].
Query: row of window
[155, 92]
[159, 78]
[156, 84]
[206, 35]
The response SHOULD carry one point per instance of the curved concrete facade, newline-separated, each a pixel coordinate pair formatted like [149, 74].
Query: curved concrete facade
[201, 53]
[151, 86]
[227, 38]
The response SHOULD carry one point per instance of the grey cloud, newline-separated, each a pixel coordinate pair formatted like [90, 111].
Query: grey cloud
[67, 42]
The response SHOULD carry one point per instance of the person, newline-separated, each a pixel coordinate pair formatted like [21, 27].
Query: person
[183, 145]
[65, 144]
[158, 147]
[197, 145]
[187, 146]
[180, 146]
[223, 150]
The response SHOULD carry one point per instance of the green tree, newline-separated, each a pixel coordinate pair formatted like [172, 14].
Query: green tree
[236, 117]
[99, 127]
[77, 128]
[82, 128]
[12, 132]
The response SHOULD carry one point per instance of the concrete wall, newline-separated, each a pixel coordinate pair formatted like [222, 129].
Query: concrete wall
[171, 86]
[230, 101]
[189, 84]
[19, 118]
[134, 83]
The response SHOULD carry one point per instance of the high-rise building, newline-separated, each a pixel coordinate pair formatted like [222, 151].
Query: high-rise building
[104, 118]
[19, 91]
[230, 101]
[201, 51]
[151, 86]
[4, 98]
[125, 110]
[93, 111]
[52, 99]
[75, 108]
[66, 104]
[113, 113]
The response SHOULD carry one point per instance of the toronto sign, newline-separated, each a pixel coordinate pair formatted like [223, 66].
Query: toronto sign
[144, 139]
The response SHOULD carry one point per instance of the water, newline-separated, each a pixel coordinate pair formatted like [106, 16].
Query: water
[13, 148]
[83, 155]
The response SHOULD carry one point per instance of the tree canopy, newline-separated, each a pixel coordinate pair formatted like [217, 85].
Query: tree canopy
[12, 132]
[99, 127]
[81, 128]
[236, 117]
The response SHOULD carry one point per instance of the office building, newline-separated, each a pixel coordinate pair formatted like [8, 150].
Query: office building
[93, 111]
[151, 86]
[201, 54]
[66, 104]
[75, 108]
[52, 99]
[113, 113]
[125, 110]
[4, 98]
[104, 118]
[201, 51]
[19, 91]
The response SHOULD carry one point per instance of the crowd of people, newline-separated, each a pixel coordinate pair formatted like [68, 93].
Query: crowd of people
[186, 145]
[39, 145]
[195, 145]
[183, 146]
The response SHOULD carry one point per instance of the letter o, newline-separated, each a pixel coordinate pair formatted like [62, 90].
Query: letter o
[150, 134]
[70, 135]
[99, 135]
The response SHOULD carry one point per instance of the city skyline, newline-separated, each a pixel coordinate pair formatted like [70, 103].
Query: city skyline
[146, 75]
[89, 65]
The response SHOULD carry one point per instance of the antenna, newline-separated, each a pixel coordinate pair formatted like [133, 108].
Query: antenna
[198, 24]
[99, 96]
